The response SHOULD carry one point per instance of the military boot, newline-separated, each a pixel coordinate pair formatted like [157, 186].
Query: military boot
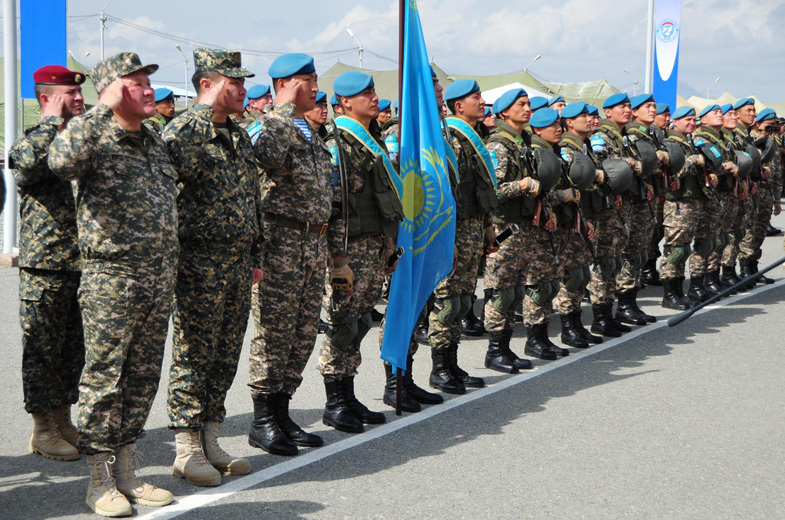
[495, 357]
[67, 429]
[216, 456]
[47, 440]
[697, 292]
[265, 431]
[136, 491]
[730, 278]
[570, 334]
[649, 274]
[763, 280]
[421, 331]
[519, 363]
[575, 317]
[648, 317]
[102, 494]
[536, 346]
[458, 373]
[746, 272]
[559, 351]
[280, 404]
[679, 286]
[191, 464]
[441, 377]
[358, 409]
[471, 324]
[712, 282]
[627, 311]
[601, 323]
[415, 392]
[390, 396]
[336, 412]
[670, 299]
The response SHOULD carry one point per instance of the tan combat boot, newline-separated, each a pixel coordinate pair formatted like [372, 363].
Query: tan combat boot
[63, 420]
[221, 460]
[191, 463]
[47, 441]
[136, 491]
[102, 494]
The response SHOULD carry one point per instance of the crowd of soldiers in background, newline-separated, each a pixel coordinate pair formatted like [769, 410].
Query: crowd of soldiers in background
[254, 202]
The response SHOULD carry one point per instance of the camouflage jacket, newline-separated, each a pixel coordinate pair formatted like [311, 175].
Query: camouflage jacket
[775, 167]
[218, 194]
[472, 180]
[156, 123]
[47, 211]
[125, 192]
[597, 198]
[712, 136]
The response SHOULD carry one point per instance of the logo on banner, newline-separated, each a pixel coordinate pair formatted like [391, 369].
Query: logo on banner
[667, 31]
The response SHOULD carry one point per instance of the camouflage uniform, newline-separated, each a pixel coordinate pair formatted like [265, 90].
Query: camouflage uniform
[127, 221]
[52, 338]
[737, 209]
[155, 123]
[297, 200]
[219, 207]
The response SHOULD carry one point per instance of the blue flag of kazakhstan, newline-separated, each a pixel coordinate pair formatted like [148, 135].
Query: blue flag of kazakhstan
[427, 232]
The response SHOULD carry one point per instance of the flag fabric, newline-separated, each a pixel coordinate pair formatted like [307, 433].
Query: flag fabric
[666, 51]
[42, 38]
[427, 232]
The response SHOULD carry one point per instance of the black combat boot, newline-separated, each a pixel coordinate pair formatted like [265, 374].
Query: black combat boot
[712, 282]
[730, 278]
[290, 428]
[761, 279]
[504, 345]
[649, 274]
[495, 358]
[441, 378]
[627, 311]
[575, 316]
[415, 392]
[471, 324]
[421, 330]
[671, 300]
[746, 272]
[679, 286]
[648, 317]
[357, 408]
[602, 324]
[391, 388]
[697, 292]
[265, 432]
[458, 373]
[570, 335]
[336, 412]
[556, 349]
[536, 346]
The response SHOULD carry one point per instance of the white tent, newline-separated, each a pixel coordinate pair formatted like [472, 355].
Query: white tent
[495, 93]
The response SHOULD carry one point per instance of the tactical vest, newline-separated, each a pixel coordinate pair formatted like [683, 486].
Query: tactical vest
[517, 209]
[635, 131]
[565, 213]
[593, 201]
[726, 181]
[476, 193]
[692, 184]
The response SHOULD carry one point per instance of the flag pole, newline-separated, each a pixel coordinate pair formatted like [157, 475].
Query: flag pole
[401, 21]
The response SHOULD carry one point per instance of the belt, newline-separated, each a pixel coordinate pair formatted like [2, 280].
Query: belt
[315, 229]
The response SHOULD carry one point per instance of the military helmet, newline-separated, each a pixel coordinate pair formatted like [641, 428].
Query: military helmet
[767, 147]
[619, 174]
[676, 156]
[582, 171]
[548, 168]
[648, 157]
[754, 155]
[745, 163]
[712, 156]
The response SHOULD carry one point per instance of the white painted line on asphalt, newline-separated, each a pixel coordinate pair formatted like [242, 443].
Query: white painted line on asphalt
[203, 498]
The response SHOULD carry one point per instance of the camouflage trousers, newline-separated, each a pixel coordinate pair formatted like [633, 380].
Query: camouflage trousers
[125, 318]
[706, 236]
[641, 226]
[505, 273]
[52, 339]
[211, 308]
[733, 229]
[286, 309]
[610, 238]
[658, 232]
[542, 253]
[453, 295]
[750, 247]
[349, 319]
[576, 262]
[681, 226]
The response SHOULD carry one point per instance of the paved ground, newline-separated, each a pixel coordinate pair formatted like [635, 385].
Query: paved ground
[683, 422]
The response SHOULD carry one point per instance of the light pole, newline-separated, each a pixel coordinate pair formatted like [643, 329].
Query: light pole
[359, 47]
[526, 68]
[102, 18]
[708, 90]
[635, 83]
[185, 83]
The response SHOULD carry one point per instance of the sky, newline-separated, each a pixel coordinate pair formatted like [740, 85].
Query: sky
[740, 41]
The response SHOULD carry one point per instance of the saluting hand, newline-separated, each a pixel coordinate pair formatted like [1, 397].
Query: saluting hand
[54, 108]
[113, 95]
[288, 94]
[211, 95]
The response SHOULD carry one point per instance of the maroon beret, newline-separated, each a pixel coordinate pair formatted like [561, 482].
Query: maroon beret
[57, 75]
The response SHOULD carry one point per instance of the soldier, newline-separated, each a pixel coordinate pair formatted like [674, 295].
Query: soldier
[658, 129]
[164, 109]
[317, 116]
[663, 118]
[297, 196]
[490, 118]
[476, 198]
[557, 103]
[49, 270]
[385, 112]
[220, 216]
[259, 98]
[127, 223]
[337, 110]
[538, 102]
[594, 117]
[373, 212]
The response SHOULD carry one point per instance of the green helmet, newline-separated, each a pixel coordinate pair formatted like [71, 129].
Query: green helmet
[648, 157]
[582, 171]
[767, 147]
[745, 163]
[676, 156]
[712, 156]
[619, 174]
[548, 167]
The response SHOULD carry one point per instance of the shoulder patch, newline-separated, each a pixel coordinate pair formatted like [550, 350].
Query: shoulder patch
[597, 143]
[716, 152]
[334, 155]
[494, 159]
[699, 142]
[254, 129]
[391, 142]
[565, 155]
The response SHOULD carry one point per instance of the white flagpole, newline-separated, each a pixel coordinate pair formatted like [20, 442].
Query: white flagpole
[11, 99]
[649, 86]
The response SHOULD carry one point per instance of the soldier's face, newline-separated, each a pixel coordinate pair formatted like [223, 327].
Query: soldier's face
[685, 125]
[318, 116]
[747, 114]
[551, 134]
[73, 102]
[713, 119]
[730, 120]
[384, 116]
[439, 91]
[259, 103]
[165, 108]
[580, 124]
[594, 121]
[489, 121]
[307, 91]
[558, 106]
[662, 120]
[619, 114]
[364, 105]
[138, 96]
[473, 107]
[646, 113]
[520, 111]
[232, 96]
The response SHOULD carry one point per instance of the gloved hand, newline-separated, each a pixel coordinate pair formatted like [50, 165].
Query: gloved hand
[599, 176]
[530, 185]
[568, 195]
[663, 156]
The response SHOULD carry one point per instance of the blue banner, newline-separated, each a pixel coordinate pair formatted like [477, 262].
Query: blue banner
[42, 31]
[666, 51]
[427, 232]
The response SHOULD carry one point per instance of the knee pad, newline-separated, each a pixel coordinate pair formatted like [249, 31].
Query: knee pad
[720, 241]
[467, 301]
[633, 261]
[738, 235]
[555, 287]
[447, 310]
[573, 279]
[364, 324]
[503, 299]
[342, 335]
[607, 267]
[676, 255]
[542, 293]
[520, 294]
[703, 247]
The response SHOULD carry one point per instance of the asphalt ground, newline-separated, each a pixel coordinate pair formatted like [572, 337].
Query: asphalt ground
[676, 423]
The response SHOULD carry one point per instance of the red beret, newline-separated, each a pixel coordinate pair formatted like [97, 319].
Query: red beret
[57, 75]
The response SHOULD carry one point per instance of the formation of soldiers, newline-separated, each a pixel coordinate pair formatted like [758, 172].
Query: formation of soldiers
[240, 205]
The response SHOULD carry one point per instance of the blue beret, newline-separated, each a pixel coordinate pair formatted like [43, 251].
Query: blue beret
[616, 99]
[334, 101]
[460, 89]
[640, 99]
[506, 100]
[384, 104]
[574, 110]
[257, 91]
[352, 83]
[709, 109]
[487, 111]
[683, 112]
[593, 111]
[555, 100]
[245, 103]
[726, 108]
[543, 117]
[662, 108]
[162, 94]
[742, 102]
[395, 105]
[321, 97]
[433, 72]
[537, 102]
[291, 64]
[765, 115]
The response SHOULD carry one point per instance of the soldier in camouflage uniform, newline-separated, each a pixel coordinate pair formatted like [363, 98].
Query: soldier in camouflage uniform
[127, 222]
[220, 215]
[258, 99]
[164, 110]
[297, 197]
[317, 117]
[52, 339]
[658, 129]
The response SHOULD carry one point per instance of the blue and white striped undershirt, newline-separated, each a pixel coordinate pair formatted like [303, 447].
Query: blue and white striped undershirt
[303, 125]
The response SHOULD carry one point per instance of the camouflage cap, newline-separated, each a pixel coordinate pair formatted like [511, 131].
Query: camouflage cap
[117, 66]
[226, 63]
